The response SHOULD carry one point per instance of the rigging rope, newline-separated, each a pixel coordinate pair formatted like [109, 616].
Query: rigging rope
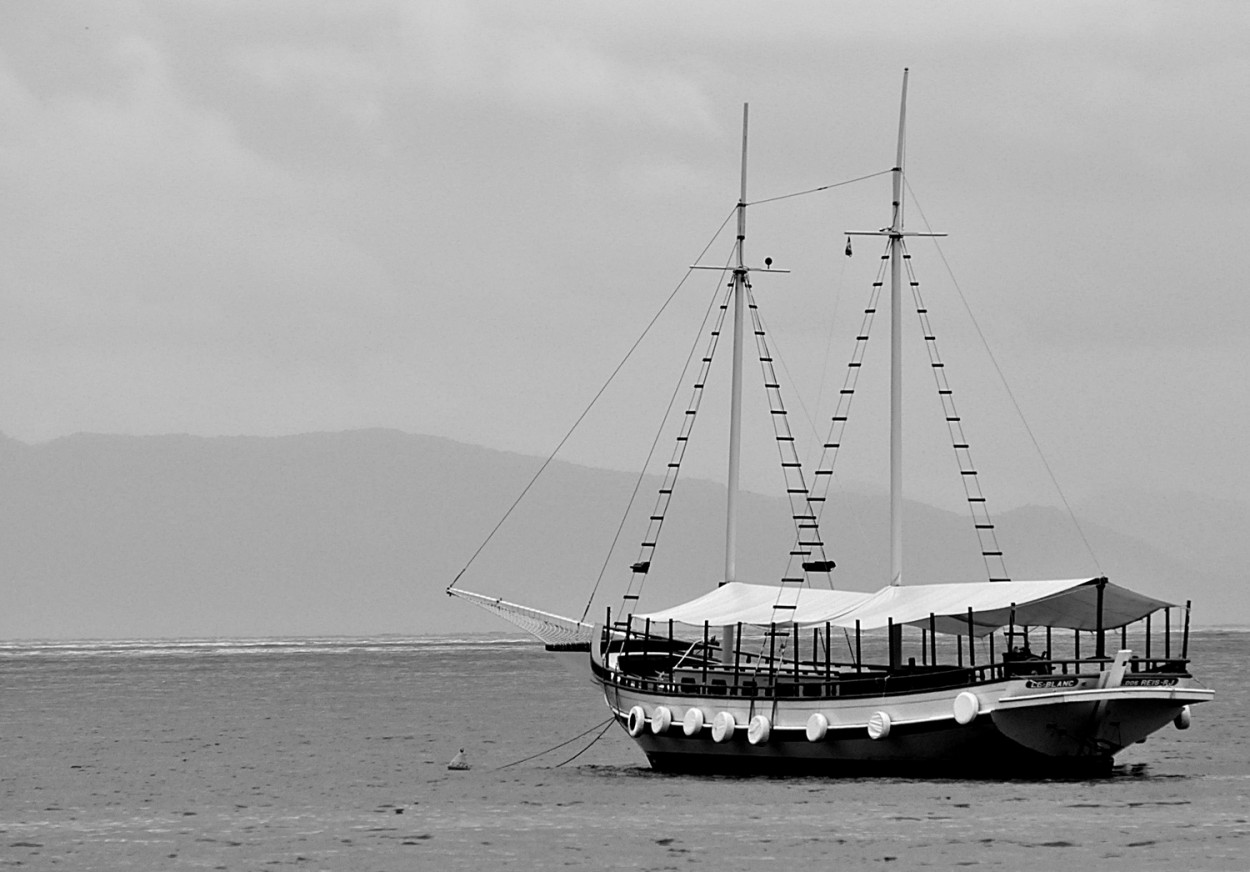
[821, 188]
[589, 406]
[655, 524]
[991, 551]
[651, 452]
[802, 502]
[1007, 387]
[846, 395]
[810, 419]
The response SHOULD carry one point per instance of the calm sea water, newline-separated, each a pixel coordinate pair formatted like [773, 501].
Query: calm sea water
[332, 753]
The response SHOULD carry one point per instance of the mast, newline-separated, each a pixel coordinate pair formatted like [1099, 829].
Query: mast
[735, 401]
[895, 235]
[729, 633]
[896, 355]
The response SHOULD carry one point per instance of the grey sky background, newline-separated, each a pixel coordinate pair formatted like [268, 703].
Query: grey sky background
[454, 218]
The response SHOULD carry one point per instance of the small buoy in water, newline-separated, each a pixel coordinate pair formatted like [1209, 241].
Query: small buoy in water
[458, 762]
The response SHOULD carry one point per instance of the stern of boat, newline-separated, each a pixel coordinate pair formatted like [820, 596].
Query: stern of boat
[1097, 713]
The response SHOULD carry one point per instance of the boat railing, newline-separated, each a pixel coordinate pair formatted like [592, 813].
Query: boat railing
[660, 670]
[781, 648]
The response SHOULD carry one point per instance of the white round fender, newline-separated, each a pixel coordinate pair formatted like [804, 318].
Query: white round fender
[692, 722]
[661, 719]
[817, 726]
[758, 730]
[967, 707]
[878, 725]
[637, 721]
[723, 727]
[1183, 719]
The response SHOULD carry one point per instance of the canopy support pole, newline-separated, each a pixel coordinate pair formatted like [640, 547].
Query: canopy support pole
[972, 641]
[1100, 642]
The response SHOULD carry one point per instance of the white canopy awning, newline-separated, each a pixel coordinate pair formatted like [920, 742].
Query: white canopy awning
[741, 603]
[1070, 603]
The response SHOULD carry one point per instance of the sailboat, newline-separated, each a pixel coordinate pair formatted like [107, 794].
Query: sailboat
[996, 677]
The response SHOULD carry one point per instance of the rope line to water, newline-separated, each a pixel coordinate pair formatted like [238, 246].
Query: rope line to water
[604, 725]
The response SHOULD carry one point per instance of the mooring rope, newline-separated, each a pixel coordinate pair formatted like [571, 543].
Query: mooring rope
[604, 725]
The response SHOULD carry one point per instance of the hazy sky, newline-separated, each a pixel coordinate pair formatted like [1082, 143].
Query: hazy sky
[454, 218]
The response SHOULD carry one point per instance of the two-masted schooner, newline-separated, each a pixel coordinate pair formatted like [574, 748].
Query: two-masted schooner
[996, 677]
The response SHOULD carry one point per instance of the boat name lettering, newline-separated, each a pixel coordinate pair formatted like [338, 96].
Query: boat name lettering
[1150, 682]
[1052, 682]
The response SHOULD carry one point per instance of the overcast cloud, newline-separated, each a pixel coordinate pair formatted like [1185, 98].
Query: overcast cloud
[454, 218]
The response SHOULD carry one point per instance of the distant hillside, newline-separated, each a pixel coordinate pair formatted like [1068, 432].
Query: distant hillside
[360, 532]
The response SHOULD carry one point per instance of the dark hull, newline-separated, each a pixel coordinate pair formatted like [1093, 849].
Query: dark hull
[953, 752]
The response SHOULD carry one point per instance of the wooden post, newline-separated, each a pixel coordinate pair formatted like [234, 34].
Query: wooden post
[896, 646]
[1167, 633]
[972, 641]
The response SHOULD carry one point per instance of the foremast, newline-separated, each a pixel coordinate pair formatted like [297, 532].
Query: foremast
[739, 288]
[735, 395]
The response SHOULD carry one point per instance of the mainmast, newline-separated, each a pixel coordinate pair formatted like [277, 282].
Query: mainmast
[896, 355]
[895, 234]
